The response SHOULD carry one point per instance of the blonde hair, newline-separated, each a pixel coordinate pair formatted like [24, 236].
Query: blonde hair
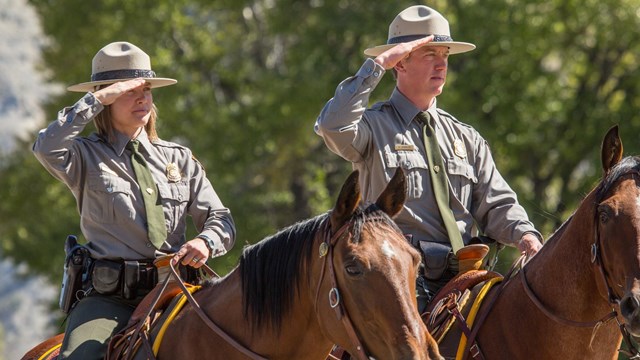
[105, 126]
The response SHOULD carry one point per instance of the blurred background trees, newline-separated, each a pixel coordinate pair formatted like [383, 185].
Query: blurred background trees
[547, 79]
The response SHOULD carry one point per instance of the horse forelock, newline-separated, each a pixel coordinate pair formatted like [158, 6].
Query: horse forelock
[369, 214]
[271, 269]
[628, 165]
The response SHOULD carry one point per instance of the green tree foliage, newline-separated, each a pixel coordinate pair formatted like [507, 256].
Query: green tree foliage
[546, 81]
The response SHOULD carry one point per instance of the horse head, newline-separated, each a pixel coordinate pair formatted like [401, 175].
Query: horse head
[616, 249]
[375, 270]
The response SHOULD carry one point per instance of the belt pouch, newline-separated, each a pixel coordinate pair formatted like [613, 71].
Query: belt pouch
[436, 259]
[105, 276]
[147, 277]
[131, 279]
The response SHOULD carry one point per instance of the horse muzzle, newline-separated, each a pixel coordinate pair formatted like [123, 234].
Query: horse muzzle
[630, 311]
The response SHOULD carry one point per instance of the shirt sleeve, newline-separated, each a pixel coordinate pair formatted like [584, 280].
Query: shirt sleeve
[212, 219]
[339, 121]
[496, 207]
[55, 147]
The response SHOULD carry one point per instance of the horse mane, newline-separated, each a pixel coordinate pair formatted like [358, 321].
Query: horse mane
[627, 165]
[271, 270]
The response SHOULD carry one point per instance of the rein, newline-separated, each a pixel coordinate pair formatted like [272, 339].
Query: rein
[326, 252]
[143, 325]
[534, 299]
[472, 347]
[212, 325]
[596, 259]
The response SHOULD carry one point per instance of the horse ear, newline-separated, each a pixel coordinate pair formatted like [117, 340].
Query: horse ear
[394, 195]
[611, 149]
[347, 203]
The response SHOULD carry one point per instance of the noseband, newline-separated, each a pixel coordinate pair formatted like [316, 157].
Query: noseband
[326, 252]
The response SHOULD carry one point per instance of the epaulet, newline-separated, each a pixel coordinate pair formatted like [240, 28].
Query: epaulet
[168, 144]
[446, 115]
[198, 162]
[95, 137]
[380, 105]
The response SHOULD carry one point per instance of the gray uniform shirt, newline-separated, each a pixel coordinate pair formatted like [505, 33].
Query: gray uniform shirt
[100, 176]
[384, 137]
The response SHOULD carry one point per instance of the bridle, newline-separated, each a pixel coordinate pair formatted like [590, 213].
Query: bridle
[596, 259]
[325, 250]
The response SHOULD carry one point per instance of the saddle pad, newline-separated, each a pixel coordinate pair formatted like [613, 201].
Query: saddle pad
[474, 311]
[172, 311]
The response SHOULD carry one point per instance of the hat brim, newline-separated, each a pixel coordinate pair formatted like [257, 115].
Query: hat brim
[91, 85]
[455, 47]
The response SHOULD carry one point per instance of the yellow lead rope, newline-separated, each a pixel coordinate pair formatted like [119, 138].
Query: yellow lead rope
[474, 311]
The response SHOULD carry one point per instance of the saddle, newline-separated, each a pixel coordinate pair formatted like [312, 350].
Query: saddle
[150, 318]
[447, 304]
[446, 307]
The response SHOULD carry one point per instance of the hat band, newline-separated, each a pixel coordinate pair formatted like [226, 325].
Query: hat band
[407, 38]
[123, 74]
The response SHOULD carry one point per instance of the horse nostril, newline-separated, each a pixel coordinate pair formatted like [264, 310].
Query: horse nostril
[628, 305]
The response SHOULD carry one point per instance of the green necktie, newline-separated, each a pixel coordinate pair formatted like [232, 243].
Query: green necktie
[155, 215]
[439, 181]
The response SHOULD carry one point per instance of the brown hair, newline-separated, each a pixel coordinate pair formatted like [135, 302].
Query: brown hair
[105, 127]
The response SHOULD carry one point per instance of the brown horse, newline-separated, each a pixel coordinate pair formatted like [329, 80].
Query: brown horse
[346, 277]
[564, 302]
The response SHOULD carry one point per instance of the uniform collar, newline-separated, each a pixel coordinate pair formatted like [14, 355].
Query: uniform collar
[407, 109]
[122, 140]
[143, 138]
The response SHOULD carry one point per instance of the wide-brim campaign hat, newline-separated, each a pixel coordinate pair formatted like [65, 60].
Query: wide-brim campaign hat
[120, 61]
[417, 22]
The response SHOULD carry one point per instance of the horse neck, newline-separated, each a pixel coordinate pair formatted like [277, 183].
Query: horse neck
[562, 278]
[301, 329]
[563, 268]
[297, 338]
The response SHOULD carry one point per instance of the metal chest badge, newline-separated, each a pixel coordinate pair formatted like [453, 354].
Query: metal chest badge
[173, 173]
[459, 149]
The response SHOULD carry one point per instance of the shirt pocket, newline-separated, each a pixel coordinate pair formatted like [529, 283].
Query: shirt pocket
[415, 168]
[175, 197]
[109, 199]
[462, 177]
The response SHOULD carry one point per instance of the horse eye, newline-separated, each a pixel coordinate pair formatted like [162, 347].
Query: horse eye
[603, 215]
[353, 270]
